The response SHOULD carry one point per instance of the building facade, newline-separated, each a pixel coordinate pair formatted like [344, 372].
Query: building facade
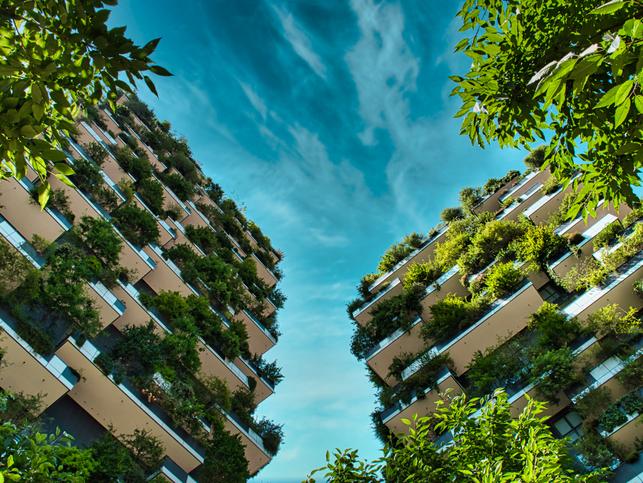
[143, 302]
[511, 294]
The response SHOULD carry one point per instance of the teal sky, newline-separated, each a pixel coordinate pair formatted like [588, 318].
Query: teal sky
[331, 122]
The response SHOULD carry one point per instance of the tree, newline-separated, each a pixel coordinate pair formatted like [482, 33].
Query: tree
[450, 214]
[55, 57]
[488, 445]
[571, 69]
[138, 226]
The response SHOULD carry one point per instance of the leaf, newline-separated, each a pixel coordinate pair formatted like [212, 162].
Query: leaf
[623, 92]
[621, 113]
[38, 111]
[149, 47]
[28, 131]
[54, 155]
[64, 168]
[638, 102]
[609, 7]
[150, 85]
[44, 190]
[608, 98]
[158, 70]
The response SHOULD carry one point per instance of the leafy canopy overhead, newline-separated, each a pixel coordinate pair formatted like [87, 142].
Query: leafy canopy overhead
[55, 57]
[567, 71]
[488, 445]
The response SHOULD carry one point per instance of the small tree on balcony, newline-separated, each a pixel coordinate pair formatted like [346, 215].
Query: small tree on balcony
[138, 226]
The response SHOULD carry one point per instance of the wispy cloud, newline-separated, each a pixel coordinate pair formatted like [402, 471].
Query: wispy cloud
[300, 41]
[256, 101]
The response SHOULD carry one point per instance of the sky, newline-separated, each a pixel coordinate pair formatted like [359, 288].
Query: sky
[330, 121]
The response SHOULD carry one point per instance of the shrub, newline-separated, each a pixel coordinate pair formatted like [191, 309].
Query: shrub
[632, 374]
[612, 320]
[271, 433]
[594, 449]
[179, 185]
[553, 372]
[59, 201]
[136, 224]
[550, 185]
[451, 315]
[137, 166]
[225, 460]
[502, 279]
[451, 214]
[99, 237]
[214, 191]
[423, 274]
[96, 152]
[496, 367]
[14, 268]
[607, 235]
[88, 179]
[535, 159]
[146, 449]
[151, 192]
[632, 403]
[365, 283]
[399, 251]
[552, 328]
[538, 246]
[204, 238]
[612, 418]
[594, 404]
[469, 198]
[638, 287]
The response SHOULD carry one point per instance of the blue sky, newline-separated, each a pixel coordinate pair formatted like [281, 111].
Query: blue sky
[331, 122]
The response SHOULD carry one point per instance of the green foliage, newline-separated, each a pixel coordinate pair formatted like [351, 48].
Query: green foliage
[151, 192]
[536, 158]
[399, 251]
[632, 374]
[96, 152]
[469, 198]
[58, 200]
[451, 214]
[225, 460]
[100, 239]
[181, 187]
[14, 268]
[569, 69]
[204, 238]
[632, 403]
[595, 450]
[56, 57]
[550, 185]
[450, 316]
[214, 191]
[613, 320]
[423, 274]
[268, 370]
[137, 166]
[612, 418]
[493, 184]
[136, 224]
[87, 178]
[553, 370]
[496, 367]
[608, 234]
[502, 279]
[538, 246]
[594, 404]
[488, 445]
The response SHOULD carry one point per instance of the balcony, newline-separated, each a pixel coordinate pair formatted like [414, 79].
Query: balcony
[423, 405]
[364, 314]
[491, 202]
[256, 454]
[166, 276]
[213, 364]
[526, 184]
[196, 218]
[525, 200]
[259, 339]
[541, 210]
[170, 200]
[165, 234]
[422, 254]
[264, 388]
[26, 371]
[264, 272]
[19, 209]
[616, 290]
[565, 263]
[123, 408]
[504, 318]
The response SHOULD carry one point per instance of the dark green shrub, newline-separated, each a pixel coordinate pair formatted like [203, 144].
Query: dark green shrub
[214, 191]
[181, 187]
[137, 166]
[203, 237]
[225, 460]
[632, 374]
[553, 371]
[594, 404]
[451, 214]
[536, 158]
[632, 403]
[612, 418]
[469, 198]
[451, 315]
[399, 251]
[136, 224]
[151, 192]
[608, 234]
[96, 152]
[594, 449]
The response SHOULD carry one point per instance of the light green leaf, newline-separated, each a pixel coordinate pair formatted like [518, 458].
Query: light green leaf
[638, 102]
[621, 113]
[609, 7]
[44, 190]
[28, 131]
[623, 92]
[608, 98]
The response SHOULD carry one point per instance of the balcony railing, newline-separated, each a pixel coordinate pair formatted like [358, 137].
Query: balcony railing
[377, 297]
[516, 187]
[20, 243]
[108, 297]
[384, 343]
[258, 323]
[55, 214]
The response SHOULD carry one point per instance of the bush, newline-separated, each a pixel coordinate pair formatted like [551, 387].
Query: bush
[399, 251]
[502, 279]
[536, 158]
[496, 367]
[612, 320]
[638, 287]
[423, 274]
[96, 152]
[179, 185]
[553, 371]
[632, 403]
[451, 315]
[136, 224]
[59, 201]
[552, 328]
[271, 433]
[225, 460]
[538, 246]
[594, 449]
[151, 192]
[607, 235]
[203, 237]
[469, 198]
[101, 240]
[632, 374]
[594, 404]
[550, 185]
[214, 191]
[451, 214]
[612, 418]
[137, 166]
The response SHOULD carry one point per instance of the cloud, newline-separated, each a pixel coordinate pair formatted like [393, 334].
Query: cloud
[299, 41]
[255, 100]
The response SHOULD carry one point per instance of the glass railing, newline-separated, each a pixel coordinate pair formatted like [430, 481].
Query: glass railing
[258, 323]
[518, 186]
[55, 214]
[377, 348]
[141, 253]
[246, 430]
[108, 296]
[20, 243]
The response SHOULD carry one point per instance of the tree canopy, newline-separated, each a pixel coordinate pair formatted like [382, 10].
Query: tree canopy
[57, 56]
[569, 73]
[488, 444]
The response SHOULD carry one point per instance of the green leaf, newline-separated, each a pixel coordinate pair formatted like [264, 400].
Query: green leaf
[638, 102]
[64, 168]
[608, 98]
[621, 113]
[150, 85]
[38, 111]
[609, 7]
[623, 92]
[44, 190]
[28, 131]
[158, 70]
